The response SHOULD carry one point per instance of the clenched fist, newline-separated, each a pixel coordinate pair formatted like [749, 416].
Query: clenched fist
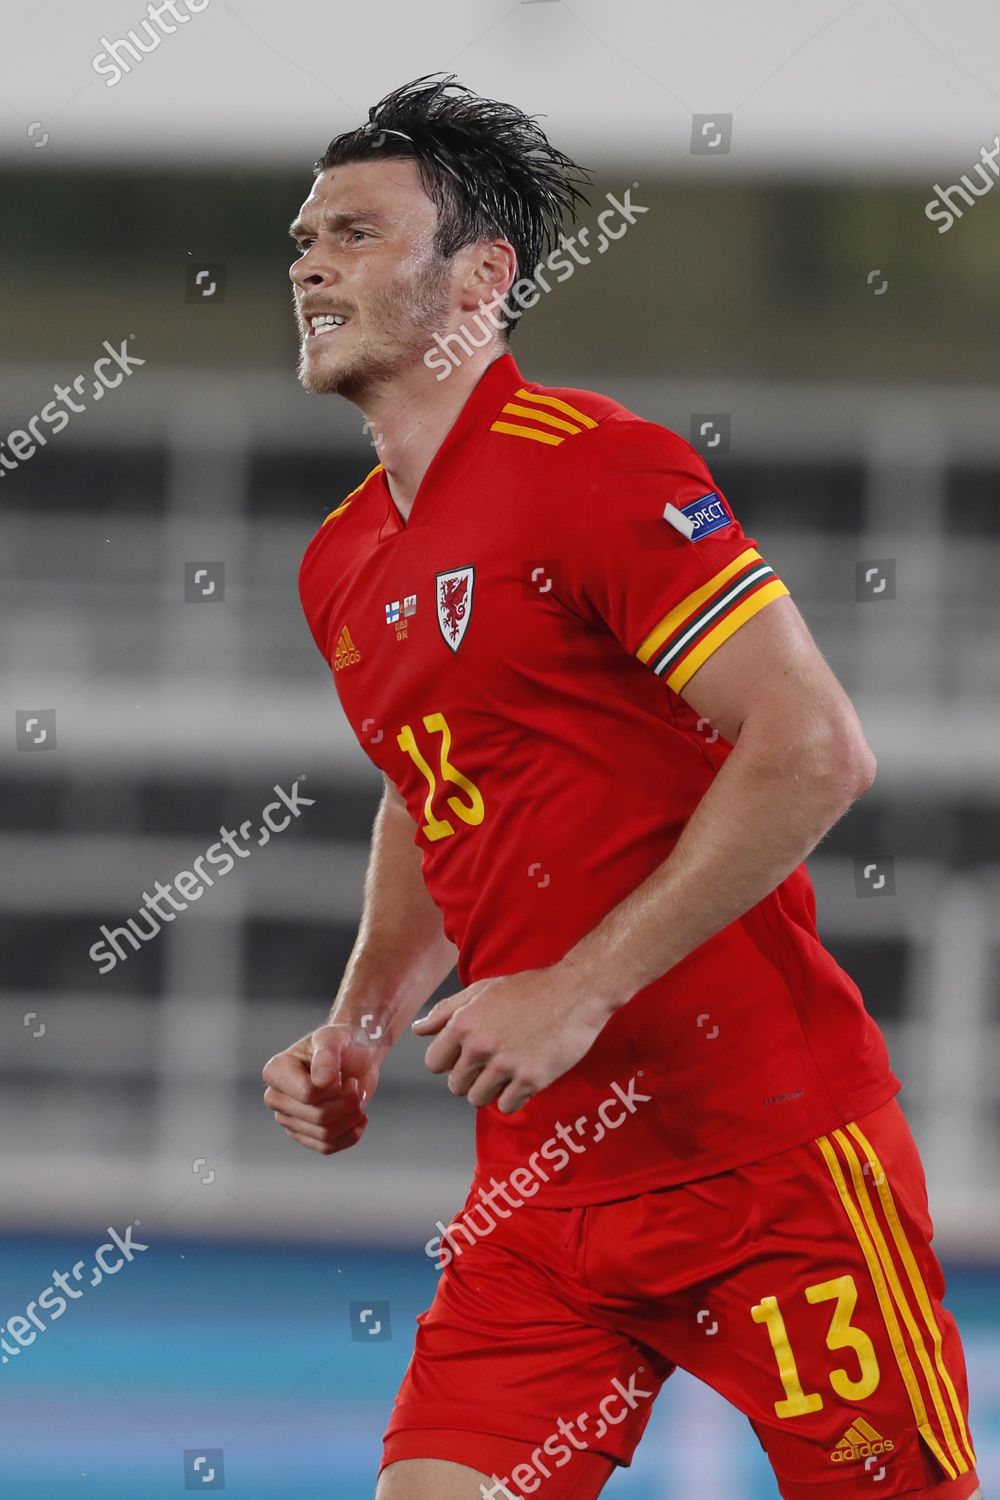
[319, 1088]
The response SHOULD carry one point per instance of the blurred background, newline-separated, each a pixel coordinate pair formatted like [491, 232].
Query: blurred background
[811, 298]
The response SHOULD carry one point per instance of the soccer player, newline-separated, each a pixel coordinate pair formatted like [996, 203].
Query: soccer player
[608, 742]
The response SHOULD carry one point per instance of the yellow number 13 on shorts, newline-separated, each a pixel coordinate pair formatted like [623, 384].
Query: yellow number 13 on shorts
[841, 1334]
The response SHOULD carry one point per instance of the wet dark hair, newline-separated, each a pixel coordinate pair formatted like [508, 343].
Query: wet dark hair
[488, 167]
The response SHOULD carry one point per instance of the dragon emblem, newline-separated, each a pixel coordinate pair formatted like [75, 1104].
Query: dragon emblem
[454, 604]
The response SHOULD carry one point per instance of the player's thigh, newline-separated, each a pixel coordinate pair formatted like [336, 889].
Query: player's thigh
[513, 1375]
[438, 1479]
[833, 1339]
[804, 1289]
[431, 1479]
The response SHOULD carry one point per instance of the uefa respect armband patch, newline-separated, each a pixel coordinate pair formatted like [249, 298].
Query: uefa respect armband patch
[706, 515]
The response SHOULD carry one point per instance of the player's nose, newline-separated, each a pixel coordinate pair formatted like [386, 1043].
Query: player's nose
[312, 271]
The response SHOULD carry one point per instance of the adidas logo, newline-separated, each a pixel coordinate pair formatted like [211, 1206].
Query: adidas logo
[347, 653]
[860, 1441]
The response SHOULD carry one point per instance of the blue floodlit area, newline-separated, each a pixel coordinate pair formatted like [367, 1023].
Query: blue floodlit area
[243, 1356]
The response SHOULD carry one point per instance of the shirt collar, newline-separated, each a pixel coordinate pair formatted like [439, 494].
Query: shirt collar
[493, 389]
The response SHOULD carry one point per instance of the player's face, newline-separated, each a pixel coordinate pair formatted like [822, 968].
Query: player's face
[366, 237]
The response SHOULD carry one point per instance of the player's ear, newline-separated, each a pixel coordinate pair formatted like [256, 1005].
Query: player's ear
[486, 272]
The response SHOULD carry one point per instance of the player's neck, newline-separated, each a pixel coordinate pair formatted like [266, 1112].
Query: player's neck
[411, 419]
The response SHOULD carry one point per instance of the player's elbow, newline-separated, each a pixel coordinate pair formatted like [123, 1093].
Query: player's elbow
[843, 763]
[867, 767]
[820, 748]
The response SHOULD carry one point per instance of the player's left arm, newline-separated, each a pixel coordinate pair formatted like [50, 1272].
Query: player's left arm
[799, 760]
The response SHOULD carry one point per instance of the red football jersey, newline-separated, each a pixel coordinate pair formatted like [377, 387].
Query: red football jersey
[512, 657]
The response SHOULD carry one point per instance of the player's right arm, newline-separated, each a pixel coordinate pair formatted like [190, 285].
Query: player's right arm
[319, 1087]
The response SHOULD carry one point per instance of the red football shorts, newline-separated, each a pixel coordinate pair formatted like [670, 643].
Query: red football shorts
[803, 1288]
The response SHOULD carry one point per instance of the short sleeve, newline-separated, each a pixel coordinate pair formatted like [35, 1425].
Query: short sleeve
[655, 551]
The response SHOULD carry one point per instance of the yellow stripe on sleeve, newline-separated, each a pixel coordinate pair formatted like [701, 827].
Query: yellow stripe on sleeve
[725, 628]
[346, 502]
[528, 432]
[679, 614]
[557, 405]
[540, 416]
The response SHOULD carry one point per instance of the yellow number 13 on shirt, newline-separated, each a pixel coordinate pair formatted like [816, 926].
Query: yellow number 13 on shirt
[471, 811]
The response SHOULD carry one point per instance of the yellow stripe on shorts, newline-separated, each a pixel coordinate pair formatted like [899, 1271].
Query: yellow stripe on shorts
[896, 1339]
[917, 1282]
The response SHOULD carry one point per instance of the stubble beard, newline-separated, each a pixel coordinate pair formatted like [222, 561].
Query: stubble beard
[400, 327]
